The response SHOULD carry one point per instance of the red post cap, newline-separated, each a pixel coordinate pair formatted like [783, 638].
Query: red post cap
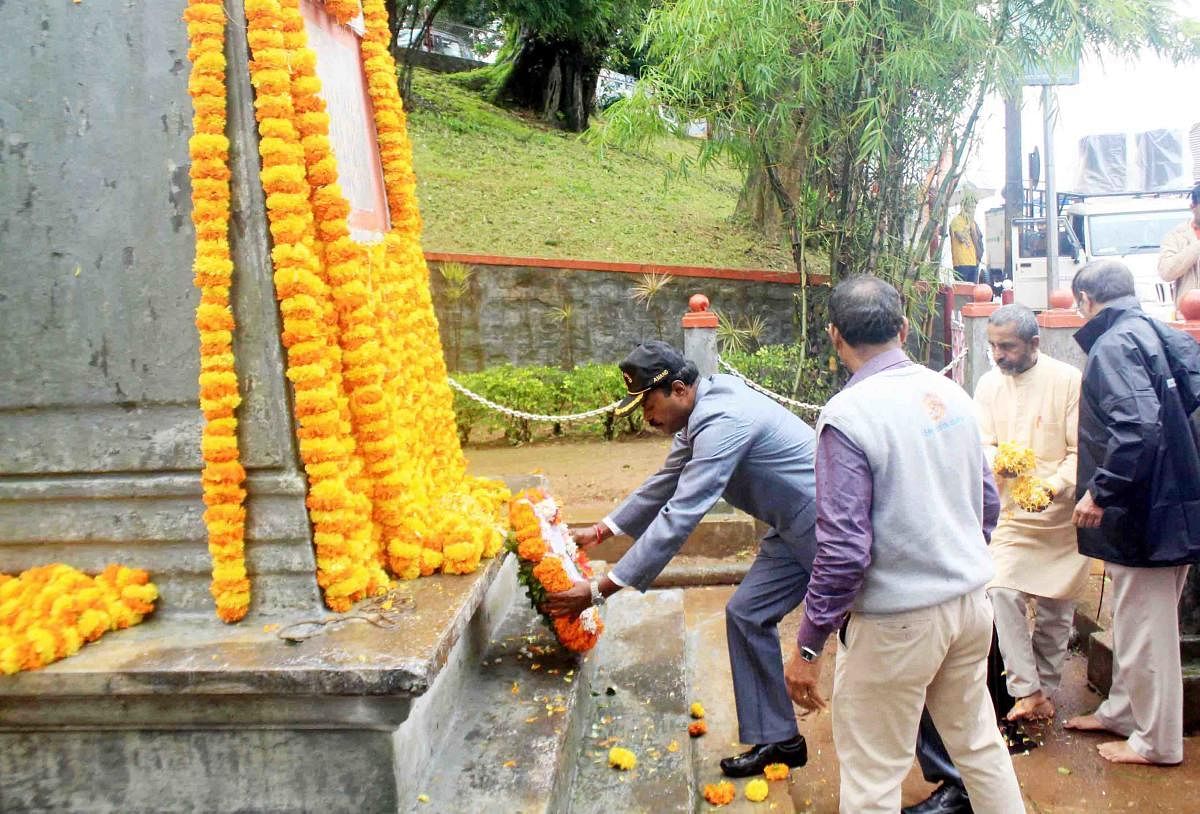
[1189, 305]
[982, 293]
[1062, 299]
[698, 315]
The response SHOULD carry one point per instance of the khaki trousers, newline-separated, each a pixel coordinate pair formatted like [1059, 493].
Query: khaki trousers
[1032, 661]
[1145, 703]
[890, 666]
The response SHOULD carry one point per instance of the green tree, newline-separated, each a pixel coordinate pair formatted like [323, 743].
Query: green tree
[556, 49]
[852, 119]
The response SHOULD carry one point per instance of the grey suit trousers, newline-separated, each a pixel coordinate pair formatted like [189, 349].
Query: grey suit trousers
[773, 587]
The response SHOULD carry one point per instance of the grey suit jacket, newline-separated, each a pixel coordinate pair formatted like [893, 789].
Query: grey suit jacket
[739, 444]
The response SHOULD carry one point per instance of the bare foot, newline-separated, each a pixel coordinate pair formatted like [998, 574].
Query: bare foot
[1121, 752]
[1036, 707]
[1086, 723]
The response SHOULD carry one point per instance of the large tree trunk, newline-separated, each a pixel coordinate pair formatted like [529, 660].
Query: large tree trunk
[557, 78]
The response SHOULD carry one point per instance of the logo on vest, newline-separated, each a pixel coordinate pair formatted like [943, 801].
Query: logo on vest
[934, 407]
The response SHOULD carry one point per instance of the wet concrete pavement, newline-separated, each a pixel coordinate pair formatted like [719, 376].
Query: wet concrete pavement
[1063, 776]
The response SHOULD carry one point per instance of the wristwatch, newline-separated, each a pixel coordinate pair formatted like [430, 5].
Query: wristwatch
[598, 598]
[808, 654]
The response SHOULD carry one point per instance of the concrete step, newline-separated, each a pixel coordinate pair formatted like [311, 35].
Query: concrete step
[712, 685]
[511, 723]
[639, 701]
[719, 535]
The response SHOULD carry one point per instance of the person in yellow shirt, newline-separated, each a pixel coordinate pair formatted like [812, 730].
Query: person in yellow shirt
[966, 242]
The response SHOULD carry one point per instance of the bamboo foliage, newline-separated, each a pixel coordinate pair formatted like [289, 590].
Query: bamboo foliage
[852, 120]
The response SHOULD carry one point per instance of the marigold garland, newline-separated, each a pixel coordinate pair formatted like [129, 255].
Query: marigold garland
[558, 564]
[49, 612]
[1013, 460]
[1018, 462]
[387, 479]
[698, 728]
[223, 476]
[1031, 494]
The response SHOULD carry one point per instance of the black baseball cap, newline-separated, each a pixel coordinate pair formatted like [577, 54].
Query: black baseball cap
[649, 365]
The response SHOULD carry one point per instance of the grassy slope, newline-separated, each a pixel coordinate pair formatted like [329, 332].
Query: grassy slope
[492, 182]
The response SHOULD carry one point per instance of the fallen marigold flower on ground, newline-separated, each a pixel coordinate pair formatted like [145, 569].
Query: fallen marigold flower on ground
[697, 728]
[757, 790]
[696, 710]
[775, 771]
[719, 794]
[622, 759]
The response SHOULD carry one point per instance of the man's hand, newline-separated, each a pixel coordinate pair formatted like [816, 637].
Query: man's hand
[571, 602]
[801, 677]
[1087, 514]
[586, 538]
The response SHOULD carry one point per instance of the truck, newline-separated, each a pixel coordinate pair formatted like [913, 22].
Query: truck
[1128, 227]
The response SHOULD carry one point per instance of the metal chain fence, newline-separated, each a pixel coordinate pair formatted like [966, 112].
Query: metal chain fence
[599, 411]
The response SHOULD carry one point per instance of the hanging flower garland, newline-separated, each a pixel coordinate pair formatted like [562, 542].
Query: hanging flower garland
[341, 537]
[387, 478]
[49, 612]
[373, 461]
[551, 563]
[223, 476]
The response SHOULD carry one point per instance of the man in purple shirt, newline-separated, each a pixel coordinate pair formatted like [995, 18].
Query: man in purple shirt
[905, 501]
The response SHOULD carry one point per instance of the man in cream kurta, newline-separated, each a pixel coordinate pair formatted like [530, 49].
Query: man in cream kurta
[1179, 259]
[1032, 400]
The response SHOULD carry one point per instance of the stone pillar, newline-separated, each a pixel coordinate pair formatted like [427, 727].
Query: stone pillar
[99, 408]
[700, 335]
[1058, 326]
[975, 320]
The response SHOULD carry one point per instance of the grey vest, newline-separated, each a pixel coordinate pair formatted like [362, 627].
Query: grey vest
[919, 434]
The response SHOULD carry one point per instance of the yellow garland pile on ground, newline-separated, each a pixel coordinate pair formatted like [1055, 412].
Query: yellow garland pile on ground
[223, 476]
[49, 612]
[387, 478]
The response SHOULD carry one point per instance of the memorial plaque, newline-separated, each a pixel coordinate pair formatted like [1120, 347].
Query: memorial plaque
[351, 120]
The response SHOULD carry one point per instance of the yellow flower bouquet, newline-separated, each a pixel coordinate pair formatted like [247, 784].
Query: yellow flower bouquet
[1031, 494]
[548, 561]
[1013, 460]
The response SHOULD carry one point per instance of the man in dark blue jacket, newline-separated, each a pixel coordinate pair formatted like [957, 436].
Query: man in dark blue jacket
[1139, 504]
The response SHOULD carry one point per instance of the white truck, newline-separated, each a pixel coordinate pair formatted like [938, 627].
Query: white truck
[1128, 227]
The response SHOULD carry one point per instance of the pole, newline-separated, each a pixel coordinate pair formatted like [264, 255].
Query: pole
[1051, 196]
[1013, 195]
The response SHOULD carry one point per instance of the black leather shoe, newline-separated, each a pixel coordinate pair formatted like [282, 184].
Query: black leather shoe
[794, 753]
[948, 799]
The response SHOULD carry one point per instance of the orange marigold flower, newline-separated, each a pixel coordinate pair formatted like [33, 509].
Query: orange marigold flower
[776, 771]
[720, 794]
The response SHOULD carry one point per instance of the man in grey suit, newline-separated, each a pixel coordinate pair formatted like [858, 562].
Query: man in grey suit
[729, 441]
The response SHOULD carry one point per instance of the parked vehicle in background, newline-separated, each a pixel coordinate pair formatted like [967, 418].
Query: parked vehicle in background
[435, 41]
[1127, 227]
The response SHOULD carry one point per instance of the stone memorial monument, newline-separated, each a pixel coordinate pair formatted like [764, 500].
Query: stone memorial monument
[101, 428]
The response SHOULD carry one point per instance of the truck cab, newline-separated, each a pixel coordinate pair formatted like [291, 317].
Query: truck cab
[1128, 227]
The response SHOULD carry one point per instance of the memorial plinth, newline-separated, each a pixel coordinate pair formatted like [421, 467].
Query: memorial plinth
[100, 456]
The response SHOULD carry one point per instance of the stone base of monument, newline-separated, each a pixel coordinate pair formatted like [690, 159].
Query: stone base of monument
[191, 715]
[1100, 666]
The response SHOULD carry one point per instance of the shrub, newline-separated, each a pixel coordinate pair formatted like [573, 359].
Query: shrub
[779, 368]
[544, 390]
